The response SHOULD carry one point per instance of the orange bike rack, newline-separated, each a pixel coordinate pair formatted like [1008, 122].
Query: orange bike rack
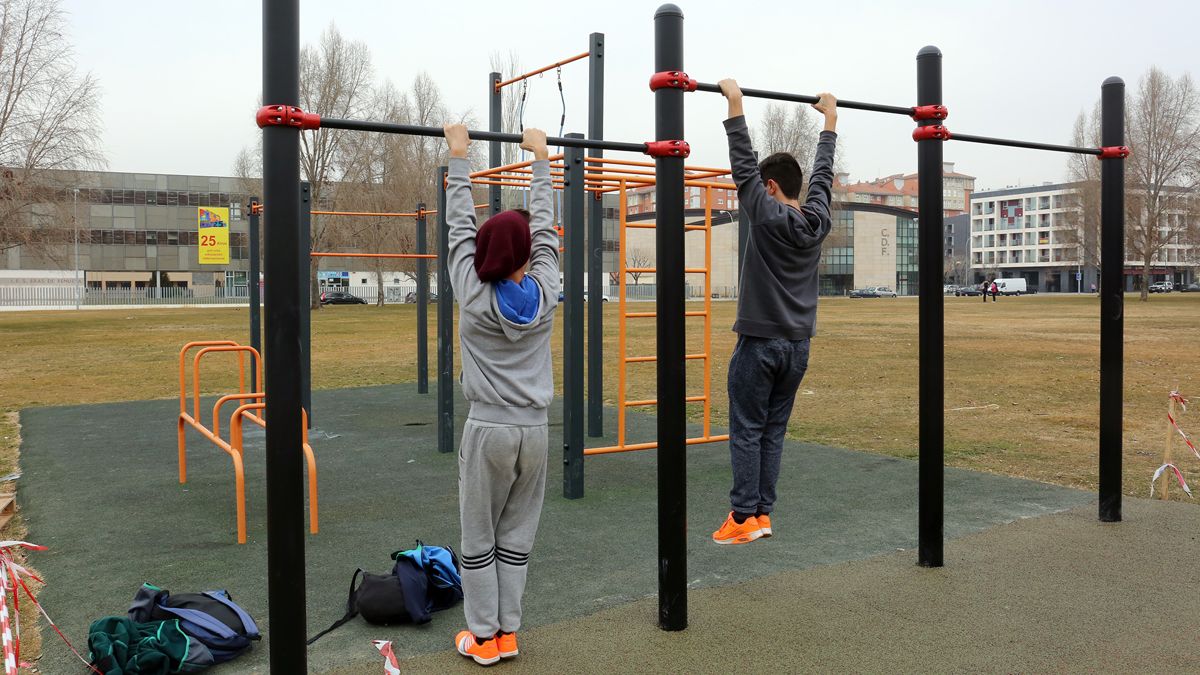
[234, 448]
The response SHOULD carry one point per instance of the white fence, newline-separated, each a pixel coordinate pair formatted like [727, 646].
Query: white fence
[71, 296]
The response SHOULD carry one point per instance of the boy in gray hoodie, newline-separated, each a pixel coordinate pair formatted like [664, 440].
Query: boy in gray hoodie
[506, 280]
[777, 309]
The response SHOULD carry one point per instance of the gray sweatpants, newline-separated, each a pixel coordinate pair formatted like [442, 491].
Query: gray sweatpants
[501, 483]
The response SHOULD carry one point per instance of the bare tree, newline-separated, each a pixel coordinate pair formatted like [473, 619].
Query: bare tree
[1084, 170]
[639, 258]
[335, 81]
[790, 129]
[1163, 130]
[42, 146]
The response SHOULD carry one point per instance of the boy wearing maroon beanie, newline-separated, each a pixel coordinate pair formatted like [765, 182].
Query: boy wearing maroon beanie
[506, 279]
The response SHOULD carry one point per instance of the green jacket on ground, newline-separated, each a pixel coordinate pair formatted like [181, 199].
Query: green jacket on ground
[120, 646]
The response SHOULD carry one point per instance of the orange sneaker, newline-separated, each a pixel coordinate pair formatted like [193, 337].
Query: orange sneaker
[732, 533]
[507, 644]
[764, 524]
[485, 653]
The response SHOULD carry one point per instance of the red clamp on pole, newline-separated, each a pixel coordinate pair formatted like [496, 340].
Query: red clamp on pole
[934, 132]
[672, 79]
[668, 148]
[256, 208]
[1114, 152]
[930, 112]
[286, 116]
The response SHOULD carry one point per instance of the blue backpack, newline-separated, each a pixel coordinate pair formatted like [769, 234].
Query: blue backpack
[211, 617]
[441, 568]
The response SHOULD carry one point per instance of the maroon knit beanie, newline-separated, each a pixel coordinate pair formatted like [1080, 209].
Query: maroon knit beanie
[502, 246]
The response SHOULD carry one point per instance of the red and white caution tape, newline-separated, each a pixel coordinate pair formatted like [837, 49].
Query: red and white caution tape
[1186, 439]
[1178, 474]
[13, 575]
[390, 666]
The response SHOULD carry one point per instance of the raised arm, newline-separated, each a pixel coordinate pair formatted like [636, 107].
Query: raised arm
[752, 194]
[818, 220]
[460, 218]
[543, 251]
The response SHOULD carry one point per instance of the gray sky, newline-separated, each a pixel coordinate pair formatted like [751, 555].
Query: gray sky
[181, 80]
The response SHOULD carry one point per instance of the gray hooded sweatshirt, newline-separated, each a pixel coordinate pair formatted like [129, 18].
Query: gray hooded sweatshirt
[507, 374]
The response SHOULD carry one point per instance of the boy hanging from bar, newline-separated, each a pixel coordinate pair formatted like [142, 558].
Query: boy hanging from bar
[777, 309]
[505, 278]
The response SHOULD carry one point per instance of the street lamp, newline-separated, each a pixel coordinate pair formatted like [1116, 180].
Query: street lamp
[75, 223]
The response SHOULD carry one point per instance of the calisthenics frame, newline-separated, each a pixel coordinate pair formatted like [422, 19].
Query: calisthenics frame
[281, 123]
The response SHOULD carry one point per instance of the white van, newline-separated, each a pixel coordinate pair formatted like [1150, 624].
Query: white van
[1011, 286]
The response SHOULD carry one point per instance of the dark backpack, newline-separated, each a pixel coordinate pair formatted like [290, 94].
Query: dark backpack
[211, 617]
[385, 599]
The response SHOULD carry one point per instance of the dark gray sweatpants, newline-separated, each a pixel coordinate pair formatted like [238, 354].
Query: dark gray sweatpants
[501, 483]
[764, 374]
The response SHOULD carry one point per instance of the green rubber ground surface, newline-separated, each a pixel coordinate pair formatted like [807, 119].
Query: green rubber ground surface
[100, 489]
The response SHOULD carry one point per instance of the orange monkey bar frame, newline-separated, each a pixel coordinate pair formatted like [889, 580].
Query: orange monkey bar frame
[539, 71]
[604, 175]
[234, 447]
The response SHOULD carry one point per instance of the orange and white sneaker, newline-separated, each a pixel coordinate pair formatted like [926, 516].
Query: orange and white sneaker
[485, 653]
[507, 644]
[732, 533]
[764, 524]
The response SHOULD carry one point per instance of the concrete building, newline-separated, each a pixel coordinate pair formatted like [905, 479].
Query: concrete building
[900, 190]
[134, 231]
[1034, 233]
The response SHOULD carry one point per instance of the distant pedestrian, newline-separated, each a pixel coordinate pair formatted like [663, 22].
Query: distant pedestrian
[1093, 287]
[995, 291]
[984, 288]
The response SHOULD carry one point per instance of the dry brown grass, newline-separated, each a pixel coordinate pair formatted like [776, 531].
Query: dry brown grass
[1035, 359]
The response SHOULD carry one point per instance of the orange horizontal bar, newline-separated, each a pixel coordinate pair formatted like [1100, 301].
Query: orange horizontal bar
[651, 315]
[375, 255]
[652, 359]
[640, 270]
[654, 401]
[514, 165]
[539, 71]
[367, 214]
[650, 446]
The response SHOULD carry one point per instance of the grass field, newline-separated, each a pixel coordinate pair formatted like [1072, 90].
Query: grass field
[1021, 374]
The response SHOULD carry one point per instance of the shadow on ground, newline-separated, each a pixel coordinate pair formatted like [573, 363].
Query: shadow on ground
[100, 489]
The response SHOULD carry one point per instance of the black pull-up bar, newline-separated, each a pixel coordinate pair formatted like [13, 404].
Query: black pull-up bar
[291, 116]
[673, 79]
[938, 132]
[804, 98]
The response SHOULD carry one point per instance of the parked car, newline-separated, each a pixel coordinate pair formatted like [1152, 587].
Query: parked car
[868, 292]
[1162, 287]
[884, 292]
[340, 298]
[949, 289]
[603, 296]
[1193, 287]
[968, 290]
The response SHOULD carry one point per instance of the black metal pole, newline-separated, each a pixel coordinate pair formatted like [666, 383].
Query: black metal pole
[805, 98]
[595, 267]
[285, 473]
[306, 299]
[445, 319]
[495, 124]
[438, 132]
[988, 140]
[253, 290]
[422, 303]
[672, 374]
[573, 310]
[1112, 298]
[932, 349]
